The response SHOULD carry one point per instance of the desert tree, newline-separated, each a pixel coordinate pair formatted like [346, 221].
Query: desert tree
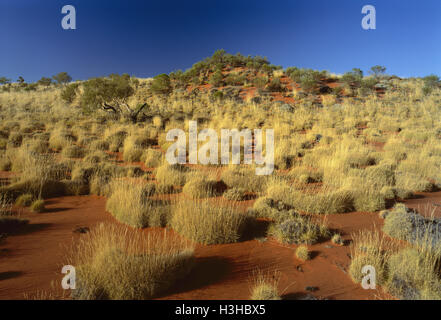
[62, 78]
[161, 84]
[20, 80]
[111, 94]
[44, 81]
[377, 71]
[4, 80]
[353, 78]
[69, 92]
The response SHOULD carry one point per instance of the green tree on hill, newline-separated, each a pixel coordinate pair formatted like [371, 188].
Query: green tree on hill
[45, 81]
[111, 94]
[62, 78]
[378, 71]
[161, 84]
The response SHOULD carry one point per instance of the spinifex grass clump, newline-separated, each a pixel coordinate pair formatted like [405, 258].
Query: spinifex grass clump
[264, 286]
[118, 263]
[405, 224]
[171, 174]
[201, 187]
[129, 202]
[235, 194]
[209, 223]
[369, 249]
[298, 229]
[414, 274]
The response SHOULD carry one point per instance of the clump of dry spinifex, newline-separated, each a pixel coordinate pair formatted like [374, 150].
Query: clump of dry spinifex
[119, 263]
[264, 286]
[209, 223]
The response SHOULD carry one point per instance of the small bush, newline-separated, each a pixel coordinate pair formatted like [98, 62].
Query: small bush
[337, 239]
[264, 287]
[298, 229]
[235, 194]
[398, 223]
[302, 252]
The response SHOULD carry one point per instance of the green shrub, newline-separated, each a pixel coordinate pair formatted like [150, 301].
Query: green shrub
[69, 92]
[161, 84]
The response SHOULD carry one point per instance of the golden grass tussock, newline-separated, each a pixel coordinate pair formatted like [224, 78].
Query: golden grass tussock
[209, 223]
[264, 286]
[119, 263]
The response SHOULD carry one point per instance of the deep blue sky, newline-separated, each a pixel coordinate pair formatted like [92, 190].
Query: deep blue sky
[144, 38]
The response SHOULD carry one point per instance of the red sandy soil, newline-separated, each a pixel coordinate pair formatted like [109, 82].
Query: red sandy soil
[32, 260]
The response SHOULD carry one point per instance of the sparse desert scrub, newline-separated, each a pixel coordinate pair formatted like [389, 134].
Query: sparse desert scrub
[264, 286]
[206, 223]
[119, 263]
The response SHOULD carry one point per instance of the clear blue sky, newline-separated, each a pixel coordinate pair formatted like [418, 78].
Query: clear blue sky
[144, 38]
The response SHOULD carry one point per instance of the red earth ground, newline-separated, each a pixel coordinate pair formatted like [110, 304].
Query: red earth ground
[31, 261]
